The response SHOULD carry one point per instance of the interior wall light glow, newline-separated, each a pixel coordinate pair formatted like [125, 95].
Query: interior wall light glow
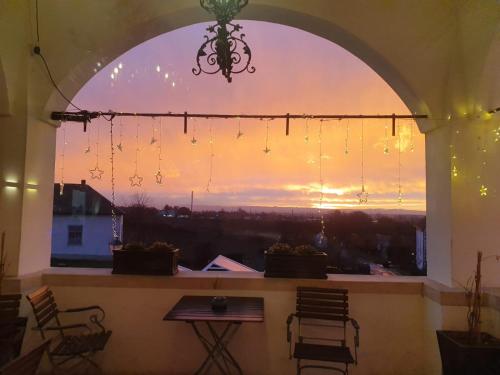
[11, 184]
[31, 186]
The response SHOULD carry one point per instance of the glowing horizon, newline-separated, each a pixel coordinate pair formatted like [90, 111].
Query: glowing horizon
[297, 72]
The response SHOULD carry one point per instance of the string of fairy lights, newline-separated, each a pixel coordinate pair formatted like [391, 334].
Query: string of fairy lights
[156, 140]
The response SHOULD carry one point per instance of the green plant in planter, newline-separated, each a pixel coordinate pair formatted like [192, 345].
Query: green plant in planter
[134, 246]
[470, 352]
[162, 247]
[305, 250]
[280, 248]
[304, 261]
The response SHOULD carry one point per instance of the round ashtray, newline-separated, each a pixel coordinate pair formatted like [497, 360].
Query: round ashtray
[219, 303]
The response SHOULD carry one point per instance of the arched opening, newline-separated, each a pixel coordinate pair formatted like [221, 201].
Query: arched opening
[163, 20]
[301, 77]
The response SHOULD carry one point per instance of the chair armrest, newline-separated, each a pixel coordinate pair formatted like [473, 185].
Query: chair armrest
[80, 309]
[355, 324]
[289, 321]
[59, 328]
[96, 318]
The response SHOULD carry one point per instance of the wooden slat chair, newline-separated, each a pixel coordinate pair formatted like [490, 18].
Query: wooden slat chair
[26, 364]
[66, 345]
[326, 310]
[12, 327]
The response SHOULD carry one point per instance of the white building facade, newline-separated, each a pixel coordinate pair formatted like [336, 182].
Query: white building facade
[82, 226]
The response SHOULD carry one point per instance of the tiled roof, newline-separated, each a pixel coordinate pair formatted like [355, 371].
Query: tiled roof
[81, 199]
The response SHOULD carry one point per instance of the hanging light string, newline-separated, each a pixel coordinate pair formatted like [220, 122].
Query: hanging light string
[240, 133]
[119, 146]
[321, 182]
[114, 219]
[306, 138]
[153, 133]
[96, 173]
[136, 180]
[212, 154]
[87, 149]
[386, 140]
[482, 148]
[159, 176]
[267, 150]
[346, 146]
[194, 140]
[63, 153]
[400, 192]
[363, 195]
[412, 138]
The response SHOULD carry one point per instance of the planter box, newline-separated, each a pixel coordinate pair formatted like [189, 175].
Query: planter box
[145, 262]
[296, 266]
[458, 357]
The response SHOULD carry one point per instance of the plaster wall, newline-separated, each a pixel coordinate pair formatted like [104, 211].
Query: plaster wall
[143, 343]
[440, 57]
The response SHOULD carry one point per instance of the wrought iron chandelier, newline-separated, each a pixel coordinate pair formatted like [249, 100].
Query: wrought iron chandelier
[226, 51]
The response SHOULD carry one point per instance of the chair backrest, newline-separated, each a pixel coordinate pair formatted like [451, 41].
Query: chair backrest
[322, 303]
[9, 306]
[44, 307]
[322, 307]
[26, 364]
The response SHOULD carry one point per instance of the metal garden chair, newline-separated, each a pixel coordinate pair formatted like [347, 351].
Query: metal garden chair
[326, 311]
[66, 344]
[26, 364]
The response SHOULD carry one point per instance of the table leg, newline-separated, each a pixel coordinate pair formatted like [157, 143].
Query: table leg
[218, 348]
[228, 334]
[210, 348]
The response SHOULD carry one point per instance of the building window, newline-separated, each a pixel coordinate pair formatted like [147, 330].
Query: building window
[75, 234]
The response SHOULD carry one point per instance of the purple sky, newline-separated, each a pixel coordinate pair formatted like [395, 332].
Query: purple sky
[297, 72]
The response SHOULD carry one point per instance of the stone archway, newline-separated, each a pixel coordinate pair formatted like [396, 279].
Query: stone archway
[159, 23]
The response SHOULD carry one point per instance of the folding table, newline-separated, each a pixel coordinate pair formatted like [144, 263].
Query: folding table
[196, 310]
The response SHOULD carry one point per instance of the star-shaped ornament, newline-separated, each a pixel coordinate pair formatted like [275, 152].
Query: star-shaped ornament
[362, 196]
[267, 150]
[306, 138]
[239, 135]
[119, 146]
[159, 178]
[96, 173]
[194, 141]
[87, 149]
[135, 180]
[153, 141]
[386, 150]
[483, 191]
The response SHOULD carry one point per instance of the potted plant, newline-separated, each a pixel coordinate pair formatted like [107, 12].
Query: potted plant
[472, 351]
[135, 259]
[302, 262]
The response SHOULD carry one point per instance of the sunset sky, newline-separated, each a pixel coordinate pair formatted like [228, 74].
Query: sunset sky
[297, 72]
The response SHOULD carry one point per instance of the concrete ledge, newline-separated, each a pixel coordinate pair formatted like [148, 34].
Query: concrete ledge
[368, 284]
[21, 283]
[229, 281]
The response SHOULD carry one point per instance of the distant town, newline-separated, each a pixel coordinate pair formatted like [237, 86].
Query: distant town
[357, 242]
